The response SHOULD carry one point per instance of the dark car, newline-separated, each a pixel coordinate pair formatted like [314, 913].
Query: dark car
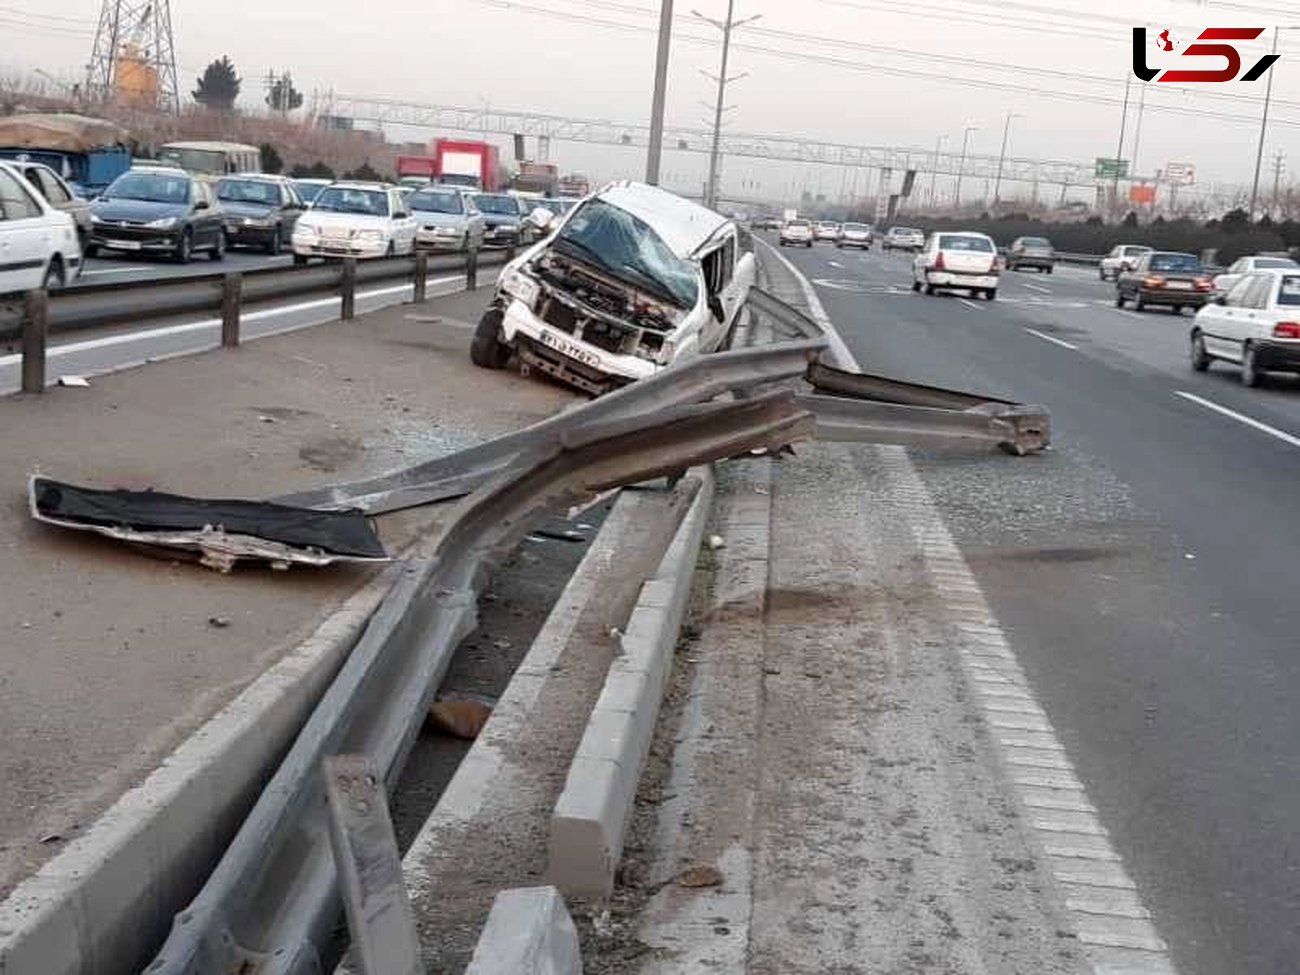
[502, 224]
[259, 211]
[59, 195]
[157, 210]
[1164, 278]
[1035, 252]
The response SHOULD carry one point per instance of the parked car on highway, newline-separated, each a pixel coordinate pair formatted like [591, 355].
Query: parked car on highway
[38, 244]
[855, 235]
[957, 260]
[309, 189]
[558, 205]
[353, 219]
[828, 230]
[635, 279]
[796, 233]
[1035, 252]
[1121, 258]
[502, 222]
[158, 210]
[1167, 278]
[1256, 325]
[1225, 282]
[259, 211]
[58, 194]
[902, 239]
[447, 219]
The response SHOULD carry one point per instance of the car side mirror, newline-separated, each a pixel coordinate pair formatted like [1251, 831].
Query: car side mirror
[1220, 299]
[401, 215]
[202, 205]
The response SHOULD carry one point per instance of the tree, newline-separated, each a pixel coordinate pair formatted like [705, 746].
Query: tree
[272, 161]
[283, 97]
[365, 173]
[1235, 221]
[317, 170]
[219, 86]
[1130, 219]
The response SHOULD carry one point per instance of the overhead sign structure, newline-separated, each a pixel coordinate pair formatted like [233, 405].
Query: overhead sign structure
[1110, 168]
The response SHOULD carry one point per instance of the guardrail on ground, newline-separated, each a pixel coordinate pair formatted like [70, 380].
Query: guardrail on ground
[229, 294]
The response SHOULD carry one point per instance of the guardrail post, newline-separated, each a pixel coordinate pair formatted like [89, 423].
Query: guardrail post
[471, 269]
[36, 325]
[421, 276]
[348, 287]
[232, 292]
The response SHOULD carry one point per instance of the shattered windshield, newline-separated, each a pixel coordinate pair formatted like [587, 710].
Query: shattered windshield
[626, 247]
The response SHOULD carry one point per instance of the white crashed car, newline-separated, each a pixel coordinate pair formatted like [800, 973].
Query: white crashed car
[628, 282]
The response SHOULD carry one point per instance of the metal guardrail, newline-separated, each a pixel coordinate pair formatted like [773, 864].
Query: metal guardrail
[226, 293]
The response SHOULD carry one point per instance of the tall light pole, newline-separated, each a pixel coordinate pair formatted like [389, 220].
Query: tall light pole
[654, 155]
[727, 26]
[934, 170]
[1263, 126]
[961, 166]
[1002, 158]
[1119, 152]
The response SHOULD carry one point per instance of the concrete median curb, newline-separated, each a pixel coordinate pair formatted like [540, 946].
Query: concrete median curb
[529, 932]
[106, 902]
[590, 819]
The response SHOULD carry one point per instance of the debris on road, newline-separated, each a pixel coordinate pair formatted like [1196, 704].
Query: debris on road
[78, 381]
[716, 542]
[218, 622]
[220, 532]
[700, 875]
[460, 718]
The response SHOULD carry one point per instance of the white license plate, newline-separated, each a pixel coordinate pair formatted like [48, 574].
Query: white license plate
[1180, 285]
[335, 233]
[571, 349]
[123, 245]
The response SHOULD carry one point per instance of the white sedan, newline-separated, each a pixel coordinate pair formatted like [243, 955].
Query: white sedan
[1255, 325]
[1226, 281]
[957, 260]
[360, 220]
[38, 244]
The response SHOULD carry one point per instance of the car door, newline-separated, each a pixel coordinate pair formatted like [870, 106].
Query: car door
[476, 225]
[1251, 319]
[1128, 281]
[1216, 321]
[403, 223]
[291, 208]
[25, 236]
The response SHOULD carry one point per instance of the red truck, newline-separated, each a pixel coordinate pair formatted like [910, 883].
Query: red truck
[476, 164]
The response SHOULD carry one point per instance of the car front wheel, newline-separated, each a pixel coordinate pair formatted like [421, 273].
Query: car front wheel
[1200, 358]
[486, 349]
[1250, 373]
[218, 252]
[55, 276]
[1119, 298]
[184, 252]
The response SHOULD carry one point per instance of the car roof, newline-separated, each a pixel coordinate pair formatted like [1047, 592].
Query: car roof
[203, 146]
[348, 184]
[683, 225]
[313, 180]
[1156, 253]
[963, 233]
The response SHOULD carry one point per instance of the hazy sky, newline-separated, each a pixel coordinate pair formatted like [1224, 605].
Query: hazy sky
[840, 71]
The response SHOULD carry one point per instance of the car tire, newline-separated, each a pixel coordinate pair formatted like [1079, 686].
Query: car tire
[1048, 269]
[1200, 358]
[276, 244]
[55, 276]
[218, 252]
[184, 252]
[1102, 275]
[1138, 303]
[1119, 298]
[486, 350]
[1250, 373]
[928, 289]
[916, 285]
[299, 260]
[90, 250]
[991, 294]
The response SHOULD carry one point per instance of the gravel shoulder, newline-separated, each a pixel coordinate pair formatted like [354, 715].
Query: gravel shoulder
[107, 657]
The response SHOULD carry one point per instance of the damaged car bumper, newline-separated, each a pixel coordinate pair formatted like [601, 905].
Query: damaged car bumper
[569, 357]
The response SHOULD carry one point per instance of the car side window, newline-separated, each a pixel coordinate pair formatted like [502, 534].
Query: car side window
[719, 265]
[53, 188]
[1241, 266]
[1256, 295]
[1236, 295]
[16, 201]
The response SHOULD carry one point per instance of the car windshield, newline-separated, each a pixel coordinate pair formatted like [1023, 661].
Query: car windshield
[557, 207]
[431, 201]
[1035, 242]
[1134, 251]
[613, 239]
[196, 160]
[856, 228]
[905, 231]
[953, 242]
[1174, 262]
[151, 188]
[801, 224]
[248, 191]
[309, 191]
[497, 204]
[1263, 262]
[342, 199]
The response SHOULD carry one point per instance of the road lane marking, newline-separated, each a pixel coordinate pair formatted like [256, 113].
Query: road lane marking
[839, 351]
[117, 270]
[1050, 338]
[834, 263]
[1240, 418]
[969, 304]
[1037, 287]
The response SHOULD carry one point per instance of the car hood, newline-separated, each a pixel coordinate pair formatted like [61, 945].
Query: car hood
[349, 221]
[428, 218]
[141, 211]
[500, 219]
[232, 208]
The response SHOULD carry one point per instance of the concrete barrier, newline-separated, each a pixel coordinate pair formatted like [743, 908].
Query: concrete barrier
[529, 932]
[104, 904]
[591, 816]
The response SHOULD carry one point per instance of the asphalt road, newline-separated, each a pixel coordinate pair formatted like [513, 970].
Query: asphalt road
[115, 268]
[1144, 570]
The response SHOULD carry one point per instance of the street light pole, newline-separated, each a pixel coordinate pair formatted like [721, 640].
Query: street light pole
[1119, 152]
[1002, 157]
[934, 170]
[961, 166]
[654, 155]
[727, 26]
[1263, 128]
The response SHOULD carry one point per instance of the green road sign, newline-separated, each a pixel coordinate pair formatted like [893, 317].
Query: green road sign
[1110, 168]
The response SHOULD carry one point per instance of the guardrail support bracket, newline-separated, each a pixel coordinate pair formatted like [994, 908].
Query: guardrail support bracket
[348, 289]
[36, 327]
[421, 277]
[232, 293]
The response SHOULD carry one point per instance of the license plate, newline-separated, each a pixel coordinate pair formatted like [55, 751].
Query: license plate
[336, 233]
[123, 245]
[1180, 285]
[571, 349]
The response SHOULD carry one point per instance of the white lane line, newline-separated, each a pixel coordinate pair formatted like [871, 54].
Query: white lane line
[1037, 287]
[1241, 418]
[834, 263]
[969, 304]
[117, 270]
[1049, 338]
[839, 351]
